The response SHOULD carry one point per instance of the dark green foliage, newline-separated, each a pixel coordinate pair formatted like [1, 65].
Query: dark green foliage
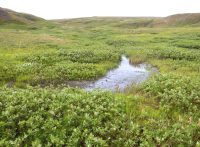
[176, 54]
[7, 73]
[90, 56]
[190, 44]
[54, 117]
[176, 93]
[121, 43]
[72, 117]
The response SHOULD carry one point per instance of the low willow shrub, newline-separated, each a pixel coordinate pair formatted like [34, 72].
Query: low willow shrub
[60, 66]
[70, 117]
[190, 44]
[7, 72]
[175, 54]
[176, 93]
[90, 56]
[69, 71]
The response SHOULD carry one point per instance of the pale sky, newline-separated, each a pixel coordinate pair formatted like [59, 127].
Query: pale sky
[56, 9]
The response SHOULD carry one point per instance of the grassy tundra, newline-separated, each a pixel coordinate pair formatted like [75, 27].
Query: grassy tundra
[163, 111]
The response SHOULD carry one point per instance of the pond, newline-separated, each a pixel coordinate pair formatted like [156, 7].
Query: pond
[118, 79]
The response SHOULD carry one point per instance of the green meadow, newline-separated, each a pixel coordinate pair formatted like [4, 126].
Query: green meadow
[36, 59]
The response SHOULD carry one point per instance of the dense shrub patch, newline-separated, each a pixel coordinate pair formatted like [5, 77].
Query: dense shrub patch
[176, 93]
[189, 44]
[72, 117]
[176, 54]
[62, 117]
[60, 66]
[89, 56]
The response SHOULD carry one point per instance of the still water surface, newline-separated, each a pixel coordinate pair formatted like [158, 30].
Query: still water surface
[124, 75]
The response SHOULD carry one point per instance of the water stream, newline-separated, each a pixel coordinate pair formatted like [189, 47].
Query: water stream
[118, 79]
[124, 75]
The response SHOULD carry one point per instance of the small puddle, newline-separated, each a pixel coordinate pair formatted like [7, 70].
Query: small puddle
[119, 78]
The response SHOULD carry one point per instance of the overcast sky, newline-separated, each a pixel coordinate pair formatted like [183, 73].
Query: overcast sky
[55, 9]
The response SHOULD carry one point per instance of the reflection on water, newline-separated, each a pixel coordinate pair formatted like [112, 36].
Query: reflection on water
[121, 77]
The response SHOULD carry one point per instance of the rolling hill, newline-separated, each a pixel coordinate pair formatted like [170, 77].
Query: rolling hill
[9, 16]
[178, 20]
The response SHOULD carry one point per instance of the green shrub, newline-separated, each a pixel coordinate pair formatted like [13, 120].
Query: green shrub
[176, 93]
[189, 44]
[70, 117]
[175, 54]
[89, 56]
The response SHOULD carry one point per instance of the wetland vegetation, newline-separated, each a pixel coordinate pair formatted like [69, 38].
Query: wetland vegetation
[37, 58]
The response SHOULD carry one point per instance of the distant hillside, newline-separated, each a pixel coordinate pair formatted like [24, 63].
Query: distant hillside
[9, 16]
[126, 22]
[178, 20]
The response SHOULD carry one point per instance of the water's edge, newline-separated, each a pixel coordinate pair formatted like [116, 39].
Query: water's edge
[119, 78]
